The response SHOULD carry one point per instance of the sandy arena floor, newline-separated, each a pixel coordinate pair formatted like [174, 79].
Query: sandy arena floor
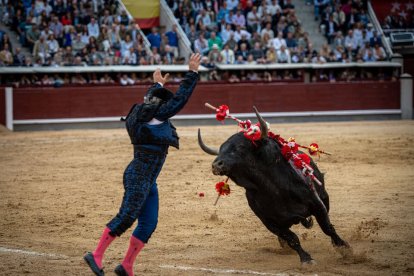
[58, 190]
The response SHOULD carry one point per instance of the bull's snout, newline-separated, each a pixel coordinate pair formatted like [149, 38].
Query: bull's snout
[219, 167]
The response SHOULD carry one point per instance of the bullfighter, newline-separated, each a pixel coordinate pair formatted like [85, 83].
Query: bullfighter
[151, 133]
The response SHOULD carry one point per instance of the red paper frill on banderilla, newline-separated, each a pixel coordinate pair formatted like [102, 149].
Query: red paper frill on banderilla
[223, 188]
[222, 112]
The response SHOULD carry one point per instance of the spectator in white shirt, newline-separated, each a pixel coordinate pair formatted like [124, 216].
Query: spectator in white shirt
[268, 30]
[350, 41]
[53, 45]
[93, 28]
[283, 55]
[253, 19]
[274, 7]
[225, 33]
[279, 41]
[238, 19]
[240, 32]
[201, 45]
[130, 57]
[232, 4]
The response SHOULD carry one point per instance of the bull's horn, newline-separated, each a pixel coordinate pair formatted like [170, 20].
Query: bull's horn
[263, 124]
[205, 148]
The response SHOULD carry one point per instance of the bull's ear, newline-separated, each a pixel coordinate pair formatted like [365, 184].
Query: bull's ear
[263, 125]
[205, 148]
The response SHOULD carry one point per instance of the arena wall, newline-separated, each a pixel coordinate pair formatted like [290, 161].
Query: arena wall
[108, 101]
[2, 106]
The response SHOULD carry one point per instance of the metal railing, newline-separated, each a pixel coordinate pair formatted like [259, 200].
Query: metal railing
[167, 18]
[378, 27]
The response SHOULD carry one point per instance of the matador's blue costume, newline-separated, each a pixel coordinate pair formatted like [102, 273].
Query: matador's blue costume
[151, 134]
[151, 144]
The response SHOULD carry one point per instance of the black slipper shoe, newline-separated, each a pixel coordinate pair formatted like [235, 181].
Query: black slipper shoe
[89, 259]
[120, 271]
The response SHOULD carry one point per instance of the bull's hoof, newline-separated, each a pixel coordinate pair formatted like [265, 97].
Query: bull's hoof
[309, 263]
[283, 243]
[345, 251]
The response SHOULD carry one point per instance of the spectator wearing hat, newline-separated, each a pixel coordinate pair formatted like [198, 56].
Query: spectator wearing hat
[214, 55]
[370, 31]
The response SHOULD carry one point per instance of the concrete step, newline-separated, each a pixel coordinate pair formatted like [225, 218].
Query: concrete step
[14, 39]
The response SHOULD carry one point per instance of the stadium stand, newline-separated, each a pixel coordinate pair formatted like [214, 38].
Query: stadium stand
[254, 34]
[274, 24]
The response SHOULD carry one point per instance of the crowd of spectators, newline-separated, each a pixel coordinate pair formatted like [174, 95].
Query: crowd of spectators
[400, 18]
[76, 32]
[268, 31]
[82, 33]
[349, 32]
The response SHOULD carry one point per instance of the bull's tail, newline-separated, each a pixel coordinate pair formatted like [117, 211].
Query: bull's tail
[307, 222]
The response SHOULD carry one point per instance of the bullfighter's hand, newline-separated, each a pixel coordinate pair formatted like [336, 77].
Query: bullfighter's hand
[159, 78]
[194, 62]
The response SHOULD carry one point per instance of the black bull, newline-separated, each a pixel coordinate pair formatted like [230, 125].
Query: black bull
[276, 193]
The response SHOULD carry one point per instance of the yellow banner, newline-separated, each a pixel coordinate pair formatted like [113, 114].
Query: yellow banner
[143, 9]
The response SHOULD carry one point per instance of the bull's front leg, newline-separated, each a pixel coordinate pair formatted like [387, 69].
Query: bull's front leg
[294, 243]
[283, 233]
[324, 222]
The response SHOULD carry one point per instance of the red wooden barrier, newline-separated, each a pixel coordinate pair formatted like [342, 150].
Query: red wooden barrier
[108, 101]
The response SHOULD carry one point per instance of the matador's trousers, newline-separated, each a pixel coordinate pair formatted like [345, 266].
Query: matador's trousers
[140, 199]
